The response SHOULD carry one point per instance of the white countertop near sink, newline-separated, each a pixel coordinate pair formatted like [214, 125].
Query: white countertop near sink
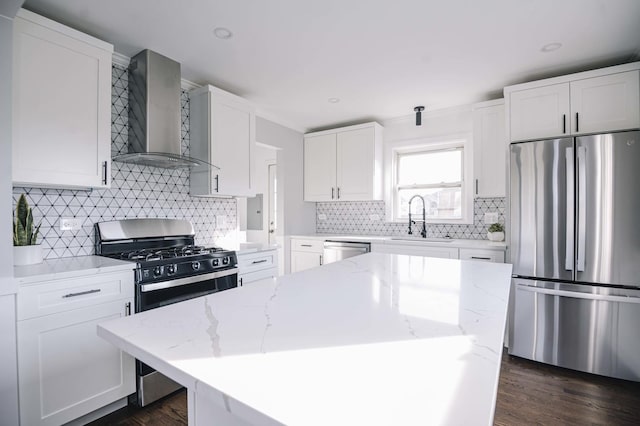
[377, 339]
[407, 240]
[68, 267]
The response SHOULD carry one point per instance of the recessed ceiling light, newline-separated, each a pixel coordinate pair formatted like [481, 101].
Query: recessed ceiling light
[550, 47]
[222, 33]
[334, 100]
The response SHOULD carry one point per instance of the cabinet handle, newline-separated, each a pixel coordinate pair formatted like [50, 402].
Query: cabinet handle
[333, 190]
[127, 309]
[258, 261]
[564, 123]
[240, 282]
[81, 293]
[338, 197]
[321, 260]
[217, 183]
[480, 258]
[476, 186]
[305, 245]
[104, 172]
[577, 122]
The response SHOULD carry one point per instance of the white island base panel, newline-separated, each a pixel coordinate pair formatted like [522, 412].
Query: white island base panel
[377, 339]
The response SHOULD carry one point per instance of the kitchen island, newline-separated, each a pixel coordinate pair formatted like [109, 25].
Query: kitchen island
[377, 339]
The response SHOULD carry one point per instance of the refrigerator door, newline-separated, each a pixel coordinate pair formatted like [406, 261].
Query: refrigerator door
[542, 209]
[608, 209]
[582, 327]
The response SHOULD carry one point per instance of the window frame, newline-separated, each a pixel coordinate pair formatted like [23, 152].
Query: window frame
[396, 149]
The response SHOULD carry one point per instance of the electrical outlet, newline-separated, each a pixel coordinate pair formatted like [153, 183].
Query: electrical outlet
[221, 221]
[490, 218]
[70, 224]
[322, 216]
[374, 217]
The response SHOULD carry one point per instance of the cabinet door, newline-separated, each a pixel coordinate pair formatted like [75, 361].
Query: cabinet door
[65, 370]
[320, 167]
[420, 250]
[607, 103]
[61, 109]
[301, 260]
[490, 149]
[355, 161]
[540, 113]
[232, 140]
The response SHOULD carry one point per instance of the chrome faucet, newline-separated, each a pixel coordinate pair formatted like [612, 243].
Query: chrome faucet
[423, 232]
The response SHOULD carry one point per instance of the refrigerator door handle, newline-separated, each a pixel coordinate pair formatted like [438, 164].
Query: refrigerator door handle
[569, 227]
[578, 295]
[582, 208]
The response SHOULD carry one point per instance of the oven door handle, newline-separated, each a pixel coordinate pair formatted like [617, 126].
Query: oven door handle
[187, 280]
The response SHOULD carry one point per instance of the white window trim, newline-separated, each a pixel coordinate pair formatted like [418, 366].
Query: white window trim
[391, 150]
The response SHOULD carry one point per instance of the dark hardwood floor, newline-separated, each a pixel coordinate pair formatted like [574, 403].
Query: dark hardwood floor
[529, 394]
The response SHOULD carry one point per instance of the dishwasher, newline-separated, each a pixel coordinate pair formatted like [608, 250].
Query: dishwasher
[335, 251]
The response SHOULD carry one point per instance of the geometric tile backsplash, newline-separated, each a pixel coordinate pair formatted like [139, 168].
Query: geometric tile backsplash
[354, 218]
[136, 192]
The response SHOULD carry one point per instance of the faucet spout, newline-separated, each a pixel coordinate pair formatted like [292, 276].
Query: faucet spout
[423, 231]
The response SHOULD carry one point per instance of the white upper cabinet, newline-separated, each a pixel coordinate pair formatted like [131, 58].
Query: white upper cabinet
[61, 106]
[540, 113]
[489, 149]
[610, 102]
[344, 164]
[222, 132]
[595, 101]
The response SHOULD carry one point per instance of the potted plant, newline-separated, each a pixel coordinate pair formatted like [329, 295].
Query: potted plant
[496, 232]
[25, 249]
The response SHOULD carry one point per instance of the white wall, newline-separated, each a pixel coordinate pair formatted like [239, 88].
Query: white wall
[298, 217]
[8, 365]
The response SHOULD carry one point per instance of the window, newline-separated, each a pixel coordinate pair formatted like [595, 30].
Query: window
[437, 174]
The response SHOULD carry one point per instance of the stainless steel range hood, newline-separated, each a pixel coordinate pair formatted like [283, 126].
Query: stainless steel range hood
[154, 114]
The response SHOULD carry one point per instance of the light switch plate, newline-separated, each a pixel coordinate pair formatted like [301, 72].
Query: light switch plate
[221, 221]
[374, 217]
[490, 218]
[322, 216]
[70, 224]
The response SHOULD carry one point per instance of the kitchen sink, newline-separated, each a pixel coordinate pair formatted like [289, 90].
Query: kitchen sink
[427, 240]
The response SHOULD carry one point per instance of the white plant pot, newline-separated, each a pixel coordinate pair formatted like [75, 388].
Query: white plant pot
[27, 255]
[495, 236]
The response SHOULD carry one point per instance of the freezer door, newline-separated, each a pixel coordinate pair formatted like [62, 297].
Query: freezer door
[608, 208]
[582, 327]
[542, 209]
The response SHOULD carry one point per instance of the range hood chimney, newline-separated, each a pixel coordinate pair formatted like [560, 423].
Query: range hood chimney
[154, 114]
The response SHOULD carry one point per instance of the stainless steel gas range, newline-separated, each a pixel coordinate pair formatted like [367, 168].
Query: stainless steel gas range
[168, 268]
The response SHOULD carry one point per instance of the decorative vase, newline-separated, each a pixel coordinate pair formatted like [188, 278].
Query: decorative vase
[495, 236]
[27, 255]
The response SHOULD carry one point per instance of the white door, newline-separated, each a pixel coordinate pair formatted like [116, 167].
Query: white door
[272, 198]
[607, 103]
[490, 149]
[355, 162]
[540, 113]
[65, 370]
[320, 167]
[232, 125]
[301, 260]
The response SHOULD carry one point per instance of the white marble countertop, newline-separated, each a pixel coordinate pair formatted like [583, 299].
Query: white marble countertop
[68, 267]
[408, 240]
[376, 339]
[246, 248]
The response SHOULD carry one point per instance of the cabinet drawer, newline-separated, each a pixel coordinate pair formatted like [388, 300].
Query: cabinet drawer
[315, 246]
[64, 295]
[244, 279]
[257, 261]
[482, 255]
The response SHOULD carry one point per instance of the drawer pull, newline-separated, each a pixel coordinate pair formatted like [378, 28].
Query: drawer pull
[480, 258]
[258, 261]
[305, 245]
[81, 293]
[127, 309]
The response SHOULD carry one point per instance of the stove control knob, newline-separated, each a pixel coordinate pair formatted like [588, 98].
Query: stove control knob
[215, 262]
[157, 271]
[225, 261]
[171, 269]
[195, 265]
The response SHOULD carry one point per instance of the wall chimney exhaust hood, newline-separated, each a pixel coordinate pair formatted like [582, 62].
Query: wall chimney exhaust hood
[154, 114]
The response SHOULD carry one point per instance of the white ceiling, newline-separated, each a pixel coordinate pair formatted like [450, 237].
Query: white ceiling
[380, 57]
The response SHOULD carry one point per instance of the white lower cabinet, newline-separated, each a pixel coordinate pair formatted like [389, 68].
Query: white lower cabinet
[496, 256]
[415, 250]
[306, 254]
[65, 370]
[257, 266]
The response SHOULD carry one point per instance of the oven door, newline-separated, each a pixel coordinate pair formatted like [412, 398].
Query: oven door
[151, 384]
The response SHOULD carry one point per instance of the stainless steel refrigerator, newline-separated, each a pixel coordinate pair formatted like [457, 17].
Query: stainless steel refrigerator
[575, 249]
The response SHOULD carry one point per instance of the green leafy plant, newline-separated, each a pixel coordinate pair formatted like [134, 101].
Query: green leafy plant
[496, 227]
[23, 233]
